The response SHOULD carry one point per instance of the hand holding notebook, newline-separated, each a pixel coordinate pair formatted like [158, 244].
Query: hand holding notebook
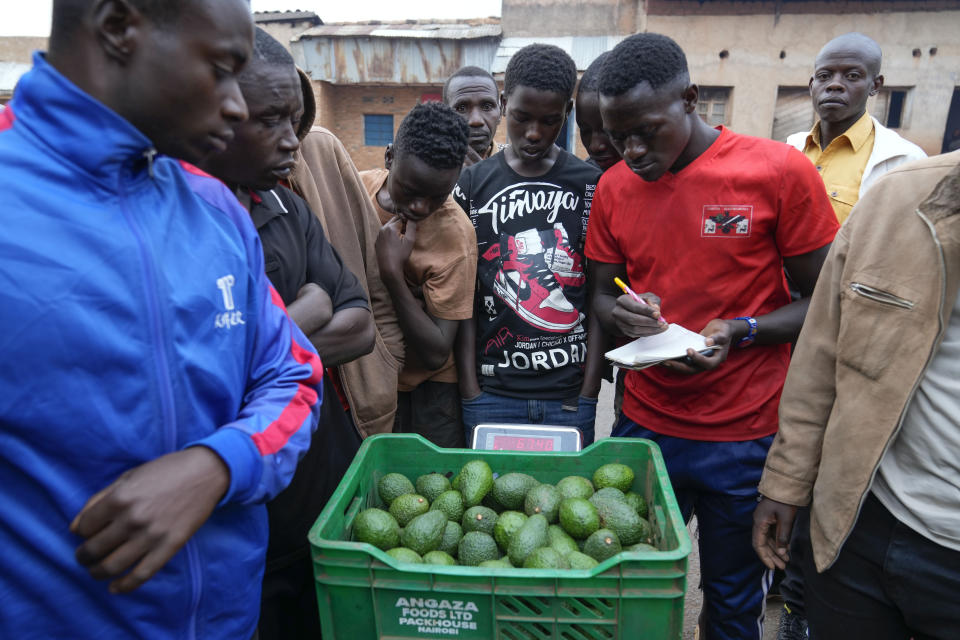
[650, 350]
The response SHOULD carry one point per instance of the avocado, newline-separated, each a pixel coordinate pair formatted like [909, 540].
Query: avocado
[402, 554]
[545, 558]
[376, 527]
[425, 532]
[393, 485]
[479, 518]
[438, 557]
[614, 474]
[451, 503]
[543, 499]
[602, 544]
[476, 481]
[407, 507]
[580, 560]
[620, 518]
[476, 547]
[639, 505]
[432, 485]
[530, 536]
[502, 563]
[575, 487]
[510, 489]
[579, 517]
[641, 546]
[451, 538]
[507, 524]
[559, 541]
[607, 494]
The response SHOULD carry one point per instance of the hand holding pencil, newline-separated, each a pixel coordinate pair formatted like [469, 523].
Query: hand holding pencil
[637, 315]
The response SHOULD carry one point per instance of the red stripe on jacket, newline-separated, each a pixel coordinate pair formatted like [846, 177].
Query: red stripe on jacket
[197, 171]
[275, 436]
[6, 119]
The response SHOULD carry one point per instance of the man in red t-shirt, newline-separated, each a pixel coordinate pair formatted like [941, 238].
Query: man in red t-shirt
[706, 220]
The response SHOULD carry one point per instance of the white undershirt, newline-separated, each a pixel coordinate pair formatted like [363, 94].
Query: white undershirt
[919, 476]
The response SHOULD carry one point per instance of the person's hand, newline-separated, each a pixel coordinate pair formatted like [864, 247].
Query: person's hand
[147, 514]
[636, 319]
[394, 245]
[772, 524]
[312, 309]
[472, 157]
[719, 335]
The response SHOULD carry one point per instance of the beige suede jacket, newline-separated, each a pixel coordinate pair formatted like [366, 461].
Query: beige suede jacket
[877, 316]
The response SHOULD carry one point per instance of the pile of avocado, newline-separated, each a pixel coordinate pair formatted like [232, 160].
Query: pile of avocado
[510, 521]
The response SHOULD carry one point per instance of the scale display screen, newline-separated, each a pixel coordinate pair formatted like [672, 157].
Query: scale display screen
[531, 438]
[522, 443]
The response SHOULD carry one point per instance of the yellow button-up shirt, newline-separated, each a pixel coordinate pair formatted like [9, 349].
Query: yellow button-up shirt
[842, 163]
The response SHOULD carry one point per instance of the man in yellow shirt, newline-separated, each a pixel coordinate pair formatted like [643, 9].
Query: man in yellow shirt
[850, 148]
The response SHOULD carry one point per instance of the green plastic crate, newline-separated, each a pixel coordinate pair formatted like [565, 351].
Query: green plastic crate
[363, 593]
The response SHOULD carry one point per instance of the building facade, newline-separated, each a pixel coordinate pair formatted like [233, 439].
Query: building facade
[751, 58]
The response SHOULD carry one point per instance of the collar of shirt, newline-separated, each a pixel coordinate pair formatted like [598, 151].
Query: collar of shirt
[857, 135]
[264, 207]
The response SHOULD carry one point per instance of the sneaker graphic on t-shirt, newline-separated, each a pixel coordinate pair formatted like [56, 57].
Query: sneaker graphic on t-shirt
[528, 286]
[561, 258]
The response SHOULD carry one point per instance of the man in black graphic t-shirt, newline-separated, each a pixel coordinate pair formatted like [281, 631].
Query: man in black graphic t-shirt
[521, 357]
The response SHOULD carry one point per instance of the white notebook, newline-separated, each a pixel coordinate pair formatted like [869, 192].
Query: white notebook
[650, 350]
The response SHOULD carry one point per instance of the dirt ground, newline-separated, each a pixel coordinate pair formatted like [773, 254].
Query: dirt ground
[694, 598]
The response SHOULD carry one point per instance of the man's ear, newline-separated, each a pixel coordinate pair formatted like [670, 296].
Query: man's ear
[388, 157]
[503, 104]
[566, 112]
[118, 25]
[691, 95]
[877, 84]
[810, 86]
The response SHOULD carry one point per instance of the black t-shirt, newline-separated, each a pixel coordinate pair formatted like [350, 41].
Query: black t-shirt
[296, 252]
[531, 278]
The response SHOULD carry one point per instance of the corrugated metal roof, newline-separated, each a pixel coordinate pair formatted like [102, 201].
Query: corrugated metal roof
[583, 49]
[441, 30]
[371, 60]
[286, 16]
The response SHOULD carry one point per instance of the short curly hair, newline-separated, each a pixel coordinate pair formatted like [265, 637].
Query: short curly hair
[591, 77]
[435, 133]
[543, 67]
[644, 57]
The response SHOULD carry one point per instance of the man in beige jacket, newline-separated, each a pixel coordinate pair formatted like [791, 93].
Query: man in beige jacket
[327, 179]
[869, 421]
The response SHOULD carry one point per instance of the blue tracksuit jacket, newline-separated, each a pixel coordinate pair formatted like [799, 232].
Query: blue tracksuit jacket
[135, 320]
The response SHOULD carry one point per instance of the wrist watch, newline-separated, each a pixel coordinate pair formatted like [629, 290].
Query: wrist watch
[751, 333]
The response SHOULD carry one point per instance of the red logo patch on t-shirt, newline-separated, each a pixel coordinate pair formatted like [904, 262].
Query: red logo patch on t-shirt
[726, 221]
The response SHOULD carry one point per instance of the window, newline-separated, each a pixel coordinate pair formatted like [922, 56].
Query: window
[890, 107]
[377, 130]
[793, 112]
[714, 105]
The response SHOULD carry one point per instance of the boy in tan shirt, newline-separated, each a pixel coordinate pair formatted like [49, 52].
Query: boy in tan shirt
[427, 254]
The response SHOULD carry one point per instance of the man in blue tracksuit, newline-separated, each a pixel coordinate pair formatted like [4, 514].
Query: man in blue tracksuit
[153, 393]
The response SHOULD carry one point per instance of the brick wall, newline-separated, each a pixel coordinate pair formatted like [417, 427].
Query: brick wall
[341, 109]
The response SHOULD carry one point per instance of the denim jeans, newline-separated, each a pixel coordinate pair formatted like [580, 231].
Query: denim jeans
[888, 583]
[487, 408]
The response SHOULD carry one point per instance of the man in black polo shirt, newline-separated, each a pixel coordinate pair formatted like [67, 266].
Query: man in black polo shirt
[325, 300]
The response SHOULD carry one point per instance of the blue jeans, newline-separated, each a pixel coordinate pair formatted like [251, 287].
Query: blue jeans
[579, 412]
[717, 481]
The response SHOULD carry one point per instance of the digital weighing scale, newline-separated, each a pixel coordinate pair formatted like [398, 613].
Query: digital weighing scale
[522, 437]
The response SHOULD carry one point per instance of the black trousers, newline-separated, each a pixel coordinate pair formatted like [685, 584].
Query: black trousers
[432, 409]
[888, 583]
